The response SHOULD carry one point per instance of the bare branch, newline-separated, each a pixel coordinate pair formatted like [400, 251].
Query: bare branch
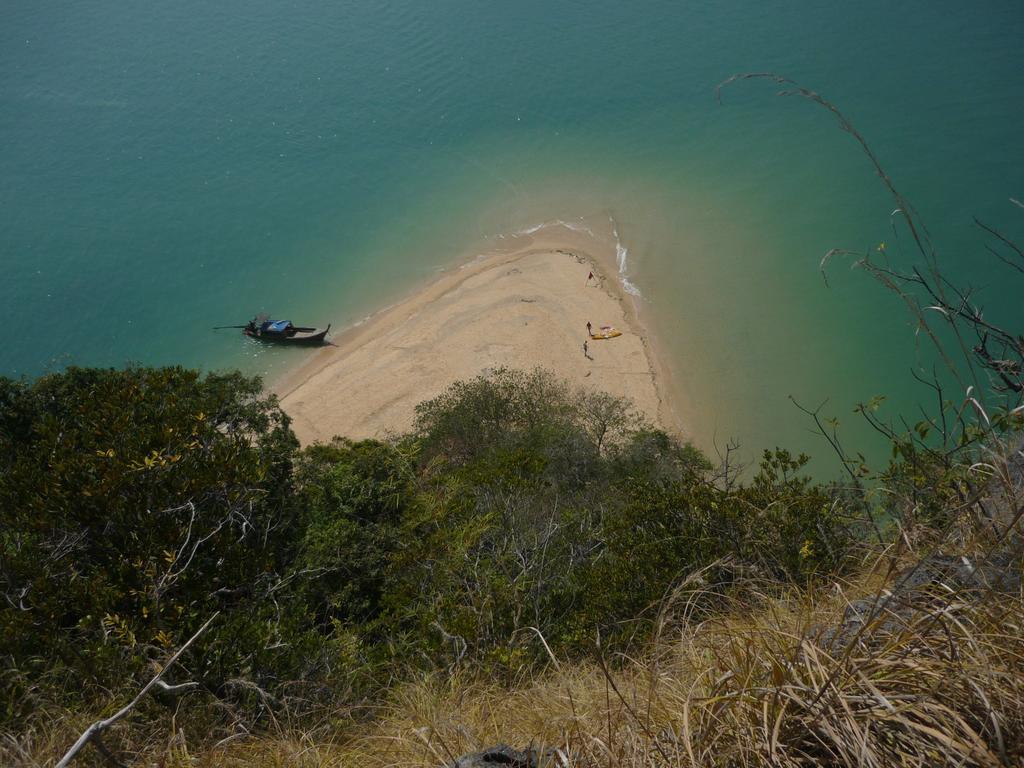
[176, 688]
[99, 726]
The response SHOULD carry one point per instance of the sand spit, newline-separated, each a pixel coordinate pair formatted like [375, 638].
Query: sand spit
[522, 305]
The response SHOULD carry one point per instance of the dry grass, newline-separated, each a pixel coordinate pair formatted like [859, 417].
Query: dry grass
[753, 688]
[946, 689]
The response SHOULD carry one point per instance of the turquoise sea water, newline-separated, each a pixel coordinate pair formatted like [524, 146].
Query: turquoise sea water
[169, 167]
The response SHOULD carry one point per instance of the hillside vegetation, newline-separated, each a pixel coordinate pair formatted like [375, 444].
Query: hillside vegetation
[530, 564]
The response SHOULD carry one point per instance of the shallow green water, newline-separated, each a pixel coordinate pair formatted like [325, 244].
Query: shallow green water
[166, 168]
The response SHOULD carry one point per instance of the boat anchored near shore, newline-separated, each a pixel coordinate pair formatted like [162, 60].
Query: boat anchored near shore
[262, 328]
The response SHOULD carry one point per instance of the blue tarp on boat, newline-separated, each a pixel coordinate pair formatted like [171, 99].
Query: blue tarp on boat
[276, 326]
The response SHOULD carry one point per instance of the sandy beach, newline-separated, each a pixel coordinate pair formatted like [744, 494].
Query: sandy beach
[526, 303]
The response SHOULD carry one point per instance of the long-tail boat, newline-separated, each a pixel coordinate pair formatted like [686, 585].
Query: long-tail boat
[283, 332]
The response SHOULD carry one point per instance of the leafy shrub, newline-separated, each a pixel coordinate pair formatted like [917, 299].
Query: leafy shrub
[575, 522]
[137, 503]
[134, 504]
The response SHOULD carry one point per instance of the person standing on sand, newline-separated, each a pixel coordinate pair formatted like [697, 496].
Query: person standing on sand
[585, 352]
[589, 332]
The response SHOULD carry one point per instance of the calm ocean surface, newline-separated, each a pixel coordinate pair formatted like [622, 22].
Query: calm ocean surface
[167, 167]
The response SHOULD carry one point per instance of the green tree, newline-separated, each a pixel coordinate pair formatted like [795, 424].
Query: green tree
[134, 504]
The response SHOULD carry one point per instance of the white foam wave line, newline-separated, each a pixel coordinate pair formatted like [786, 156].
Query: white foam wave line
[530, 230]
[622, 258]
[581, 227]
[574, 226]
[621, 255]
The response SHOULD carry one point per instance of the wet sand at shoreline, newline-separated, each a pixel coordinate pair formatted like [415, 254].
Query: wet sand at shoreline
[522, 305]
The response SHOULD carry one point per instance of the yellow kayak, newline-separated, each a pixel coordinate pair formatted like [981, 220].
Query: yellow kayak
[611, 333]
